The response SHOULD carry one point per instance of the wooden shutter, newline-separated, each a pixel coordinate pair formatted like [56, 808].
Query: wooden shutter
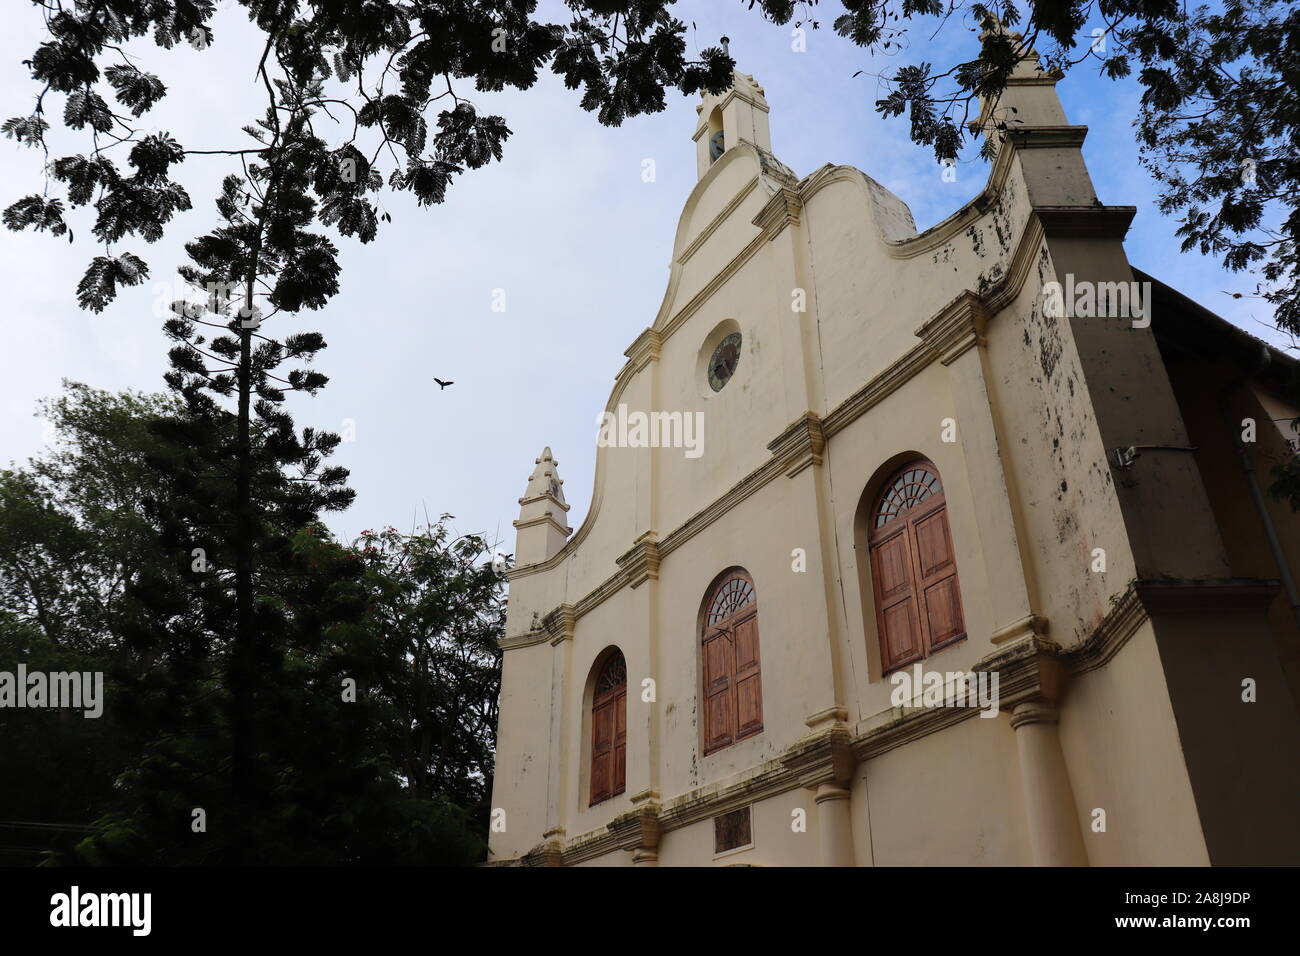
[891, 571]
[602, 751]
[914, 568]
[609, 730]
[718, 706]
[937, 572]
[749, 682]
[733, 686]
[619, 782]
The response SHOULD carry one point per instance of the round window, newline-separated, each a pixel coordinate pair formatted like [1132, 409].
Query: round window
[723, 362]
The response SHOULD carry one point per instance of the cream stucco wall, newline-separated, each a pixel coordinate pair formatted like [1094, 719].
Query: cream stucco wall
[904, 337]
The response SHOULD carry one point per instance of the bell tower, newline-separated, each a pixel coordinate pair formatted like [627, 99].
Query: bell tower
[542, 527]
[738, 113]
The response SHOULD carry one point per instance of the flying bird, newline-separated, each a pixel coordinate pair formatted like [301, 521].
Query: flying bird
[441, 383]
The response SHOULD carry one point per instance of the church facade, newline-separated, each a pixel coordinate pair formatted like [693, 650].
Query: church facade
[944, 548]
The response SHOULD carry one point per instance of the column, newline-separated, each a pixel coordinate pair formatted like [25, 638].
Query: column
[835, 827]
[1049, 802]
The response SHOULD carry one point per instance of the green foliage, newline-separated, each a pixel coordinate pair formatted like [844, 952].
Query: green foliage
[98, 573]
[438, 605]
[385, 62]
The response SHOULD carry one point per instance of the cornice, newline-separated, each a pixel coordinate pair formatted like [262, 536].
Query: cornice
[550, 852]
[644, 350]
[825, 757]
[1002, 293]
[958, 327]
[1030, 137]
[602, 592]
[1031, 668]
[545, 496]
[1029, 624]
[1046, 137]
[713, 224]
[801, 445]
[751, 483]
[1231, 595]
[560, 623]
[912, 724]
[1126, 615]
[638, 828]
[781, 210]
[724, 275]
[641, 562]
[1085, 222]
[522, 523]
[1142, 600]
[892, 378]
[527, 639]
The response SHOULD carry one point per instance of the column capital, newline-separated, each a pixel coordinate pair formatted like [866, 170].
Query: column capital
[822, 758]
[828, 791]
[639, 830]
[800, 444]
[560, 623]
[640, 563]
[1033, 712]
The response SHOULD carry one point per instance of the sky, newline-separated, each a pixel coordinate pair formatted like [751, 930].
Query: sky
[564, 225]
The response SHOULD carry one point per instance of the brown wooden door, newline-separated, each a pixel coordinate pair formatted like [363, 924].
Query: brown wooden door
[914, 568]
[609, 731]
[733, 684]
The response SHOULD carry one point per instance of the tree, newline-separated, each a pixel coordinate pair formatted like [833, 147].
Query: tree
[375, 720]
[375, 64]
[439, 607]
[72, 528]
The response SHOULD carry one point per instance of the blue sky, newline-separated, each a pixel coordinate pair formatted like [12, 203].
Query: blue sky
[565, 225]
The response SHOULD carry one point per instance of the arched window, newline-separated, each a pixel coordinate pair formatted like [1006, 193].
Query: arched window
[913, 568]
[733, 686]
[717, 138]
[609, 730]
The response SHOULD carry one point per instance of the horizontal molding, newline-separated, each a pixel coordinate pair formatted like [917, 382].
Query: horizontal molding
[782, 210]
[1142, 600]
[1086, 222]
[717, 221]
[801, 445]
[526, 639]
[1046, 137]
[641, 562]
